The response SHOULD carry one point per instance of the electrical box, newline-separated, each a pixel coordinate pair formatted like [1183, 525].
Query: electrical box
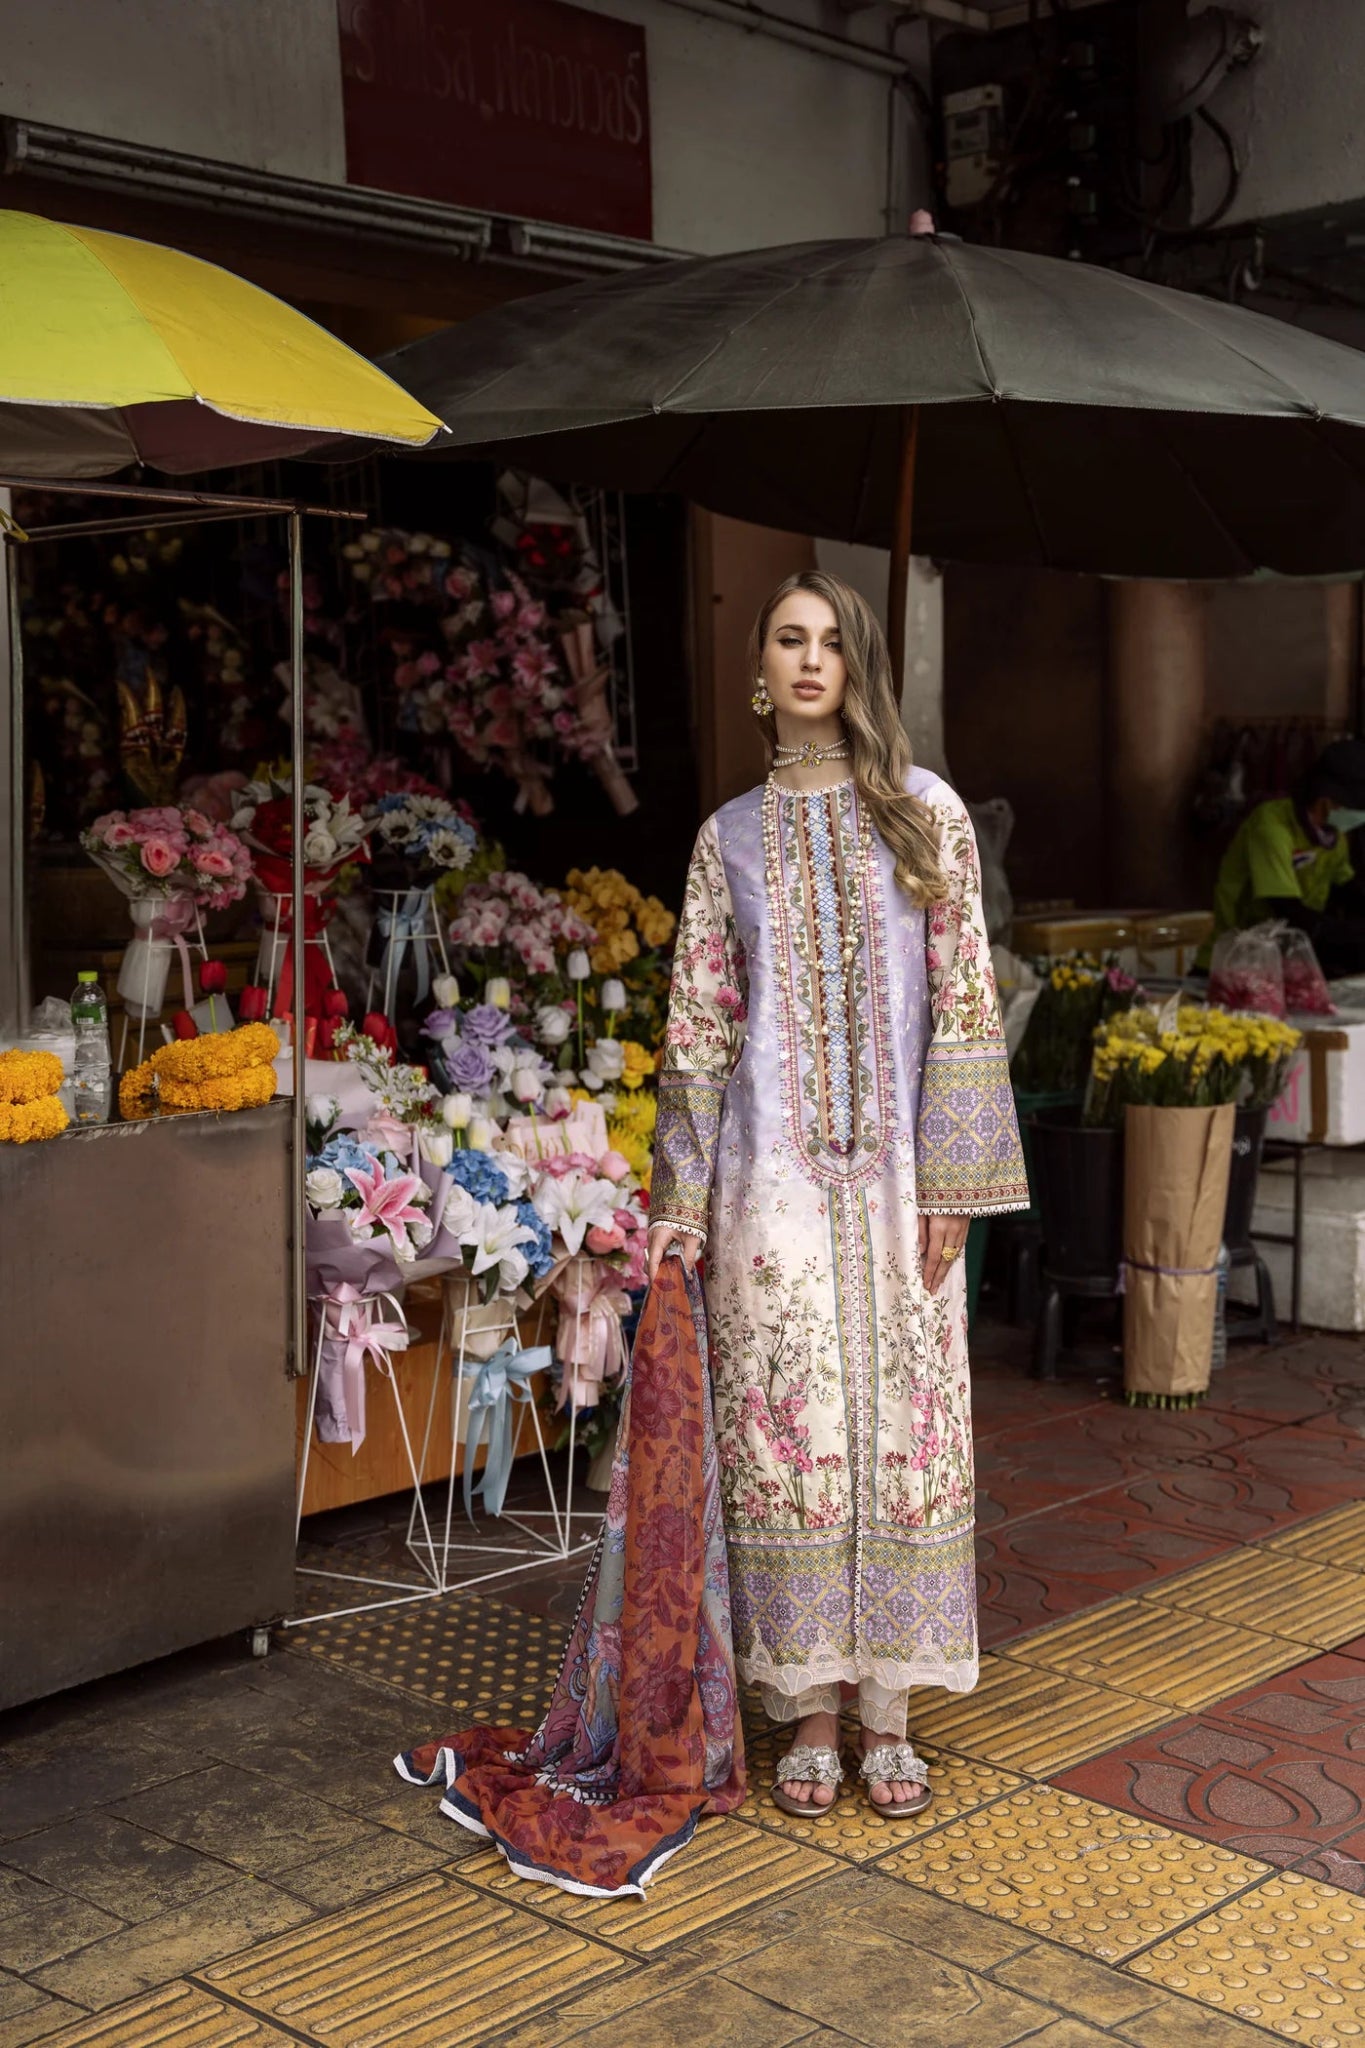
[973, 130]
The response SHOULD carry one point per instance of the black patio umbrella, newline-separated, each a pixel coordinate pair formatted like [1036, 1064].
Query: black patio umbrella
[1039, 411]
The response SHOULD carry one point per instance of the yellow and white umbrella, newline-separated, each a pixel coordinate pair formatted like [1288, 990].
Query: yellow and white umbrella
[115, 351]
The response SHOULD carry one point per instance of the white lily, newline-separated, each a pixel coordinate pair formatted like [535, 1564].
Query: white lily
[572, 1204]
[494, 1237]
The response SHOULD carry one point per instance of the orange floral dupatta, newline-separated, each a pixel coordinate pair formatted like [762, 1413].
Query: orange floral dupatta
[642, 1737]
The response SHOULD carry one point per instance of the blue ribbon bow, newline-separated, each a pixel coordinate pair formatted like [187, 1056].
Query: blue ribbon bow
[406, 924]
[494, 1386]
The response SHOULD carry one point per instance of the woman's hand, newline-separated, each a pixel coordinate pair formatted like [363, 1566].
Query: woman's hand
[938, 1234]
[661, 1236]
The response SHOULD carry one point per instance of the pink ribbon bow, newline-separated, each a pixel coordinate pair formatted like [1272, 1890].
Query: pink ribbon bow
[352, 1332]
[589, 1341]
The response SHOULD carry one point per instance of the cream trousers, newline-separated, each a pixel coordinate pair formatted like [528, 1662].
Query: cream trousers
[878, 1708]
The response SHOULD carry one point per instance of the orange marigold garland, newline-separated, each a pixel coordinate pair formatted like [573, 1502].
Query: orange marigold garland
[26, 1076]
[29, 1104]
[221, 1071]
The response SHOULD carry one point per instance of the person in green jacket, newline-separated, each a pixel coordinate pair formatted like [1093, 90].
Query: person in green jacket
[1292, 856]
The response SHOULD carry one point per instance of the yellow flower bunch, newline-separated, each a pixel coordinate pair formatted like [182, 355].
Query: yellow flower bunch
[22, 1122]
[1210, 1056]
[1069, 974]
[29, 1104]
[28, 1076]
[639, 1064]
[620, 914]
[225, 1070]
[216, 1054]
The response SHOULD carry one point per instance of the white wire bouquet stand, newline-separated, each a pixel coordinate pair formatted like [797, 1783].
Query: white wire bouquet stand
[403, 918]
[277, 933]
[359, 1326]
[493, 1402]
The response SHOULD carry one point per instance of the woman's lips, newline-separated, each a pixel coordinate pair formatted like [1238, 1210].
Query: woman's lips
[809, 689]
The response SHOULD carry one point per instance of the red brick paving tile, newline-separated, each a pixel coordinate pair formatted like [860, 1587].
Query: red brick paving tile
[1319, 1469]
[1269, 1391]
[1014, 1400]
[1010, 1603]
[1343, 1864]
[1226, 1506]
[1107, 1543]
[1317, 1706]
[1346, 1419]
[1258, 1793]
[1355, 1648]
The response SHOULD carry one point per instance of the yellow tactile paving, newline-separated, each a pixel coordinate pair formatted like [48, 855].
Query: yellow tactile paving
[727, 1868]
[431, 1965]
[1277, 1592]
[1160, 1653]
[1288, 1955]
[1074, 1871]
[1336, 1538]
[176, 2016]
[849, 1828]
[1032, 1720]
[468, 1654]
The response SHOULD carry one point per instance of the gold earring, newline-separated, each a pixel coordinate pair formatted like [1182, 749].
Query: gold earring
[761, 701]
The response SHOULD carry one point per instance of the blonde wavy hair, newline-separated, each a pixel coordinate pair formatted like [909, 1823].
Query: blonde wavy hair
[878, 744]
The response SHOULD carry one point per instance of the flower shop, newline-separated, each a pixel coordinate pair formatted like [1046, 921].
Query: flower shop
[468, 892]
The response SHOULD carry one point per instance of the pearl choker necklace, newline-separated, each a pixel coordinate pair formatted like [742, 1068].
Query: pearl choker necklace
[809, 756]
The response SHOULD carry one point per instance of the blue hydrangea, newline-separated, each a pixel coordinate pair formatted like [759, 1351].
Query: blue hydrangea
[344, 1152]
[480, 1175]
[538, 1255]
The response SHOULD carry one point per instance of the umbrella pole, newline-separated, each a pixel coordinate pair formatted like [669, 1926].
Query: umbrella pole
[296, 996]
[898, 585]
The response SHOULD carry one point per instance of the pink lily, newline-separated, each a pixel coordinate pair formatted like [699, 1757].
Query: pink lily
[388, 1203]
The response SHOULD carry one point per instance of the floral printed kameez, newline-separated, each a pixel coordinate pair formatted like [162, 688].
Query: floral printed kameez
[834, 1066]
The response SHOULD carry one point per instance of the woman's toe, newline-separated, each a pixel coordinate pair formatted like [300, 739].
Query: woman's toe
[822, 1795]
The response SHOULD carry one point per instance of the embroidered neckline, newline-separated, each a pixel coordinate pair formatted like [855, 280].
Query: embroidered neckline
[830, 788]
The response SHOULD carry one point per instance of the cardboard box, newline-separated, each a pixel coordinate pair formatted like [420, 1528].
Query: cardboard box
[1169, 940]
[1324, 1096]
[1333, 1269]
[1081, 931]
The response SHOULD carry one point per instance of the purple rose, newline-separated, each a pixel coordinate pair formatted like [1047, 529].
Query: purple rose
[441, 1023]
[485, 1025]
[469, 1068]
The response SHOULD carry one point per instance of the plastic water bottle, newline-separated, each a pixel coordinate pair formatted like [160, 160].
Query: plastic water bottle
[93, 1079]
[1219, 1356]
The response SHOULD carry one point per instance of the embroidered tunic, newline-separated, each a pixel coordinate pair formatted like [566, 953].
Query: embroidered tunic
[834, 1065]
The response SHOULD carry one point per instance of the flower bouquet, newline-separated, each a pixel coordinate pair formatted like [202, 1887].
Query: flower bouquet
[367, 1225]
[334, 836]
[630, 954]
[593, 736]
[416, 840]
[1078, 995]
[507, 930]
[171, 864]
[1175, 1079]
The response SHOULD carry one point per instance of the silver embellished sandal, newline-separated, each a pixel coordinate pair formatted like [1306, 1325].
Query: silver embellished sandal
[891, 1763]
[811, 1767]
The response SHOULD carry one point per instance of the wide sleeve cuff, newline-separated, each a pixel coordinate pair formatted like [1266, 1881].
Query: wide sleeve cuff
[686, 1135]
[969, 1161]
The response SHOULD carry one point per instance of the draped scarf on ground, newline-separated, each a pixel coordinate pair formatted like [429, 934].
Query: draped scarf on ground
[642, 1736]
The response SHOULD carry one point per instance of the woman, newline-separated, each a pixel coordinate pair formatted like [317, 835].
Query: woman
[834, 1107]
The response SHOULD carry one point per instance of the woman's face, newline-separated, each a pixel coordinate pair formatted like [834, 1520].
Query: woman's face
[803, 661]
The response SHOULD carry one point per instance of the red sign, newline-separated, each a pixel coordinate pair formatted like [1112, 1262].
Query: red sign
[521, 107]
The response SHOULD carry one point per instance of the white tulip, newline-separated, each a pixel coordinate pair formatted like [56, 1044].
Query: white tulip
[482, 1133]
[579, 967]
[457, 1109]
[437, 1145]
[558, 1102]
[371, 542]
[498, 991]
[607, 1058]
[528, 1084]
[613, 994]
[553, 1025]
[446, 990]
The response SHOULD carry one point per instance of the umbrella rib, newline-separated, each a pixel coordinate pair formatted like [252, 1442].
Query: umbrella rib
[1179, 312]
[1021, 475]
[1218, 520]
[961, 289]
[723, 341]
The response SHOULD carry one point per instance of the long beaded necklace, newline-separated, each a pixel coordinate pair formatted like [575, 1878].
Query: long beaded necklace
[855, 885]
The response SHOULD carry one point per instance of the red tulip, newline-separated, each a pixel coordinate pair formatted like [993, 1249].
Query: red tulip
[184, 1025]
[251, 1004]
[378, 1027]
[213, 977]
[335, 1003]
